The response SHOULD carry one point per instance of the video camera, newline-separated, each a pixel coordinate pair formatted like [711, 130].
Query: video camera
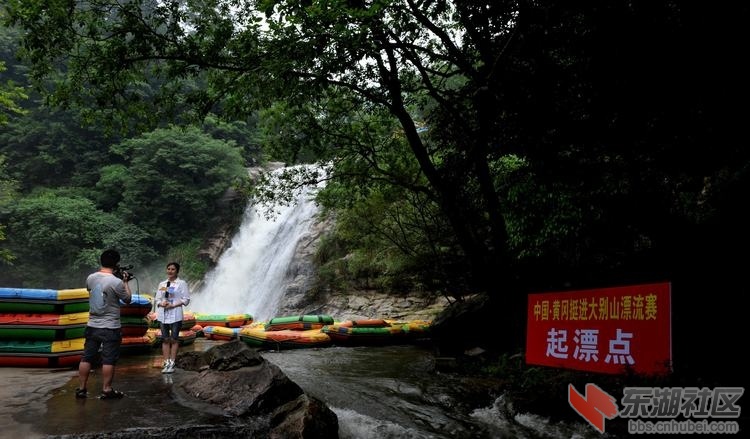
[120, 272]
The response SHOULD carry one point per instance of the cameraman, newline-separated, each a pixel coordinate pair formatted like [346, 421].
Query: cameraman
[104, 327]
[171, 296]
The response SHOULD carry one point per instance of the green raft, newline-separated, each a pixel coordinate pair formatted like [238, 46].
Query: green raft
[303, 322]
[41, 347]
[35, 353]
[28, 326]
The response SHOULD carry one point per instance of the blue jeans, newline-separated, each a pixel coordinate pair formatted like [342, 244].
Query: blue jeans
[171, 331]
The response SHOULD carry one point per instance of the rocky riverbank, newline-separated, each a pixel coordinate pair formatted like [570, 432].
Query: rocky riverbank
[228, 390]
[366, 304]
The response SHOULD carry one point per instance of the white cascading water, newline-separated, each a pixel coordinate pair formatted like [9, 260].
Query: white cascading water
[251, 275]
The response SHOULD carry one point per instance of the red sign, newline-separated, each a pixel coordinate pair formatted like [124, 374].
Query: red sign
[608, 330]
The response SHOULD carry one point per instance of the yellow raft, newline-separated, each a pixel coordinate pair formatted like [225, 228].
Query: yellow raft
[284, 338]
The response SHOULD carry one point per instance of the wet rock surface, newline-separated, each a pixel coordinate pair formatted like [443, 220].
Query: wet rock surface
[368, 304]
[251, 397]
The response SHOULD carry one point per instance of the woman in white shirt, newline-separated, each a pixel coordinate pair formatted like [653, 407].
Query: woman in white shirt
[171, 296]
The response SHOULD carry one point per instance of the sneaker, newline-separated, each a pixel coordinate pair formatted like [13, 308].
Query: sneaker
[170, 367]
[165, 369]
[81, 393]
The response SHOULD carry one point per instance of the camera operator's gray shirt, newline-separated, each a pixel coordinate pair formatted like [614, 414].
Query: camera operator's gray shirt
[113, 289]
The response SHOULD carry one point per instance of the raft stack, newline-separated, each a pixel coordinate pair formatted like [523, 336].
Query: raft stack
[136, 337]
[225, 320]
[221, 333]
[222, 326]
[189, 332]
[289, 332]
[42, 327]
[364, 332]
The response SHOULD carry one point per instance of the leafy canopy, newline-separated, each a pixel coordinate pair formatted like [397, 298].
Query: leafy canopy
[174, 179]
[47, 231]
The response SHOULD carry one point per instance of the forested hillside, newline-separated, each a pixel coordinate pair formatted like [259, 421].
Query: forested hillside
[71, 187]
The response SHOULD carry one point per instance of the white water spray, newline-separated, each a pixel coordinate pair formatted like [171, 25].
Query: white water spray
[251, 275]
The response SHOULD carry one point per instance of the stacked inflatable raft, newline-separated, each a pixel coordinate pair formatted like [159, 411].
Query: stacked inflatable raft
[45, 328]
[136, 337]
[376, 332]
[42, 327]
[189, 332]
[291, 332]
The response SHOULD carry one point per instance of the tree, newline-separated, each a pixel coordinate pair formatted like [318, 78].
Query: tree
[7, 194]
[243, 133]
[9, 95]
[175, 178]
[599, 102]
[53, 149]
[47, 231]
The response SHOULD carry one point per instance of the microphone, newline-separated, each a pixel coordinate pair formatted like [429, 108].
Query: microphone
[166, 293]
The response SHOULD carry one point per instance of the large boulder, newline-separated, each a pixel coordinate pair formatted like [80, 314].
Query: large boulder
[232, 380]
[251, 396]
[235, 381]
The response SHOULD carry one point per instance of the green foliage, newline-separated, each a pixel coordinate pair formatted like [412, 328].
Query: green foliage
[7, 195]
[56, 239]
[156, 73]
[186, 253]
[10, 92]
[244, 134]
[109, 188]
[176, 178]
[387, 236]
[541, 220]
[9, 95]
[290, 134]
[493, 141]
[52, 149]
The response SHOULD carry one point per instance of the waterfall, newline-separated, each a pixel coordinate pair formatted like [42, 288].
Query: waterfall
[251, 275]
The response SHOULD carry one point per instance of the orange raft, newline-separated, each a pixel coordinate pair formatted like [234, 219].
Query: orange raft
[188, 320]
[284, 338]
[364, 332]
[133, 344]
[43, 326]
[185, 337]
[226, 320]
[139, 306]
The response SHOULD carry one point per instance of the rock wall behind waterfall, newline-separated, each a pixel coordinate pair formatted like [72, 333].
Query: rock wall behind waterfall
[301, 275]
[227, 218]
[347, 305]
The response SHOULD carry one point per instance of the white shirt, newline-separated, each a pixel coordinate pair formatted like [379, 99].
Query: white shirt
[178, 295]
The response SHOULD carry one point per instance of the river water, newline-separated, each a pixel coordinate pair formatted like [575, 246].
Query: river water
[376, 392]
[395, 392]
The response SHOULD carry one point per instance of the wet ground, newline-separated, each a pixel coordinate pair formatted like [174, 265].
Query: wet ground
[386, 392]
[39, 402]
